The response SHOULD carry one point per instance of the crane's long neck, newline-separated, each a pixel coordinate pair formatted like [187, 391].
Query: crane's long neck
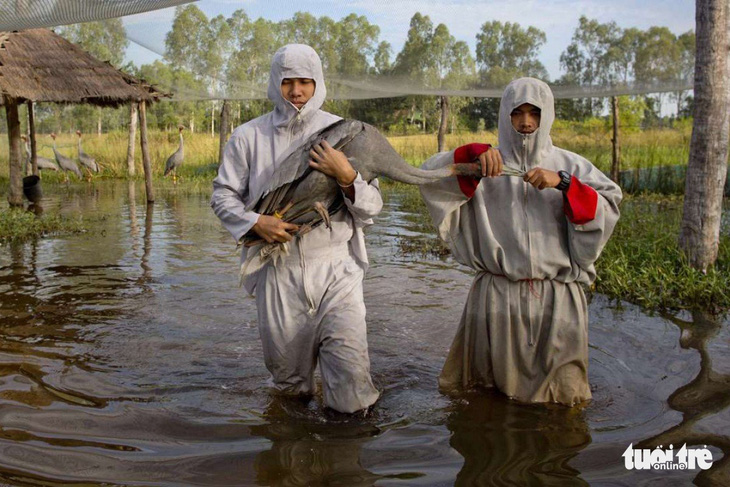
[79, 144]
[181, 141]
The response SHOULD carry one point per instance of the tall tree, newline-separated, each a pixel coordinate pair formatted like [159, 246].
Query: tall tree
[687, 48]
[188, 39]
[504, 51]
[586, 60]
[105, 40]
[381, 59]
[699, 235]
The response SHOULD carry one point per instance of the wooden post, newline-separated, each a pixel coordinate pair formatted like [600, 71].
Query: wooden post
[212, 118]
[132, 133]
[616, 158]
[699, 233]
[145, 152]
[31, 135]
[98, 122]
[15, 197]
[444, 122]
[225, 122]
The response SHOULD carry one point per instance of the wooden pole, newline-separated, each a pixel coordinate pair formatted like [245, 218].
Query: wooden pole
[132, 133]
[225, 122]
[444, 122]
[31, 135]
[145, 152]
[616, 158]
[15, 197]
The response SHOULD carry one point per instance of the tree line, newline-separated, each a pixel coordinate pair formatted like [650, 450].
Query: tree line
[229, 57]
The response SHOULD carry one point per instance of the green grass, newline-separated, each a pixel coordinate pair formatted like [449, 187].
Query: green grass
[18, 225]
[642, 262]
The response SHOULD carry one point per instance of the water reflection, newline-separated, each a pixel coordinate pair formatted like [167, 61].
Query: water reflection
[699, 401]
[305, 451]
[506, 443]
[130, 356]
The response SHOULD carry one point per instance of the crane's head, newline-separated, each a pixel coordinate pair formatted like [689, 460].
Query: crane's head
[53, 135]
[180, 128]
[78, 132]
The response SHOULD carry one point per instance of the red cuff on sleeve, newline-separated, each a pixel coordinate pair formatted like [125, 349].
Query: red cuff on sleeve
[464, 154]
[580, 202]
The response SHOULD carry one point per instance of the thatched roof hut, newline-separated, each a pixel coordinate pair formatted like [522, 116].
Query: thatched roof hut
[38, 65]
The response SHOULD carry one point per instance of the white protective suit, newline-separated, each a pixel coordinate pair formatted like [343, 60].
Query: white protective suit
[525, 323]
[310, 303]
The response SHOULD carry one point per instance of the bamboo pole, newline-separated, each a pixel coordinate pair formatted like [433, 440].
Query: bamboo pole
[145, 152]
[616, 155]
[132, 133]
[15, 196]
[33, 145]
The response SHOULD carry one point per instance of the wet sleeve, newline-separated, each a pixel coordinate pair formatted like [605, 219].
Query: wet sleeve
[368, 200]
[443, 198]
[230, 189]
[597, 196]
[464, 154]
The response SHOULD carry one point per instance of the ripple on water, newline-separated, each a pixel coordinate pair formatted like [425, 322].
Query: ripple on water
[130, 356]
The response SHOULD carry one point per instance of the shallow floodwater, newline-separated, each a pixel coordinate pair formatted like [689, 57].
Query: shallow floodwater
[130, 356]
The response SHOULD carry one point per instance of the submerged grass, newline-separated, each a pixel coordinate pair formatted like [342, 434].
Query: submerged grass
[18, 225]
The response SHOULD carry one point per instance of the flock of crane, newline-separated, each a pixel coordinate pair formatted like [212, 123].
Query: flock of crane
[66, 164]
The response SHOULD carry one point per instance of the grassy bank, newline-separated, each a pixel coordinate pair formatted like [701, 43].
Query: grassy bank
[18, 225]
[641, 263]
[645, 149]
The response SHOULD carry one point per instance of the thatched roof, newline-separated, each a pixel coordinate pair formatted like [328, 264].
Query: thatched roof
[41, 66]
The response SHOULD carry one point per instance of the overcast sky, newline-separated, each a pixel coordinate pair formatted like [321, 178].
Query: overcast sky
[557, 18]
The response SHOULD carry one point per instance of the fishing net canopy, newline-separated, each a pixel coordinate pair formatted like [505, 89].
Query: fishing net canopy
[198, 56]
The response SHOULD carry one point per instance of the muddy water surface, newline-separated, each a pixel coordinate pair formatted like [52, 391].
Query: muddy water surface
[130, 356]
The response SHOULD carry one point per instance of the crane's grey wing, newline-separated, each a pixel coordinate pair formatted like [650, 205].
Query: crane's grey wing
[294, 164]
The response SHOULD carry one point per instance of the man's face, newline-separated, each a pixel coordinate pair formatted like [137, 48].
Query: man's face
[298, 91]
[525, 118]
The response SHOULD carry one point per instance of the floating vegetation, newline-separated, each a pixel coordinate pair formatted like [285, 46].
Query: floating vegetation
[18, 225]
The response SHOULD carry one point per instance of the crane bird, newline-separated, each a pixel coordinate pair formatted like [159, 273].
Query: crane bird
[176, 159]
[64, 162]
[43, 163]
[88, 162]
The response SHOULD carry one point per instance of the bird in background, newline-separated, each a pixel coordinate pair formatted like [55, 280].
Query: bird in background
[176, 159]
[43, 162]
[65, 163]
[88, 162]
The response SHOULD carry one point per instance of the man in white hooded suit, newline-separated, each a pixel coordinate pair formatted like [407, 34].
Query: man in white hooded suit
[533, 242]
[309, 303]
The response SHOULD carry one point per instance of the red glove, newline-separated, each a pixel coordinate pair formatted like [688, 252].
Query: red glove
[580, 202]
[464, 154]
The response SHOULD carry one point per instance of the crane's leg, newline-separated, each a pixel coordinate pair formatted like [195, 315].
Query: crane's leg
[174, 176]
[322, 210]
